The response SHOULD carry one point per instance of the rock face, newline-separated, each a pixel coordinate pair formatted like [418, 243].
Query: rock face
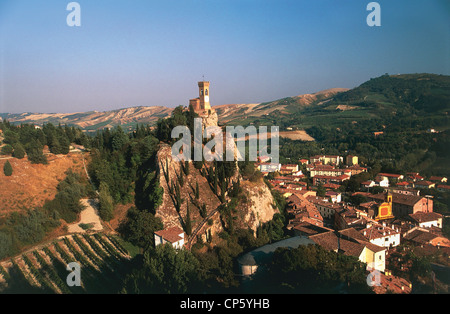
[210, 119]
[255, 210]
[259, 207]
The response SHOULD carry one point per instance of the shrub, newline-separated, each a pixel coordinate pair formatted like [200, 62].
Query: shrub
[7, 169]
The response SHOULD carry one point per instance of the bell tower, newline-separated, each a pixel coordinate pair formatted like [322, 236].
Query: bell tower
[203, 89]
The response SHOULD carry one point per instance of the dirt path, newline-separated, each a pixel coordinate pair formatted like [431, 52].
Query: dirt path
[88, 216]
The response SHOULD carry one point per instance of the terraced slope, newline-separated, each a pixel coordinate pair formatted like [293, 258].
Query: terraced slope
[102, 259]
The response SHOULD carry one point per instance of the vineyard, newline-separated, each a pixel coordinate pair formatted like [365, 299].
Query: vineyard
[103, 262]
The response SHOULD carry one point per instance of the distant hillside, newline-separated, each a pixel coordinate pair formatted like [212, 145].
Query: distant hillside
[94, 120]
[265, 112]
[385, 99]
[129, 117]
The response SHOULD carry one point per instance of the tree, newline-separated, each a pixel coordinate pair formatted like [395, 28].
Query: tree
[19, 151]
[139, 228]
[7, 169]
[197, 191]
[106, 203]
[321, 190]
[188, 223]
[164, 270]
[6, 150]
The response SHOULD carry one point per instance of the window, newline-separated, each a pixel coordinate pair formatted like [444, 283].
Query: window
[206, 92]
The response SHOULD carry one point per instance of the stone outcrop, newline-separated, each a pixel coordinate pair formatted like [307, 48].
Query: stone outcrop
[255, 210]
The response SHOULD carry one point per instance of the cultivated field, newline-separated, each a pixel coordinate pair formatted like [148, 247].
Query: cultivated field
[102, 259]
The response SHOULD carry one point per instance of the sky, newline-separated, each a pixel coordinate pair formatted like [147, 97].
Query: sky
[153, 53]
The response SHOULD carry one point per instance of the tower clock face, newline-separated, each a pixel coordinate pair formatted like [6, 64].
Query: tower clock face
[206, 98]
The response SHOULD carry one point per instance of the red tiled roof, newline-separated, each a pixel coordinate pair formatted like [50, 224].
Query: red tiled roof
[425, 217]
[392, 175]
[171, 235]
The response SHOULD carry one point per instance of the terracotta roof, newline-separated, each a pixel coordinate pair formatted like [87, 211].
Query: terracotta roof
[310, 229]
[434, 178]
[376, 231]
[425, 183]
[171, 235]
[410, 200]
[352, 233]
[392, 175]
[425, 217]
[420, 236]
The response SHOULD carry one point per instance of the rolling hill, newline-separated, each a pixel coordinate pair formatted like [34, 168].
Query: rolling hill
[384, 99]
[95, 120]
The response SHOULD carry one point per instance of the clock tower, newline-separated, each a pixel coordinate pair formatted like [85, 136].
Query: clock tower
[203, 89]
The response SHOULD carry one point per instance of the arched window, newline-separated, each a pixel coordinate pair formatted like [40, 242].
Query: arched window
[206, 92]
[201, 92]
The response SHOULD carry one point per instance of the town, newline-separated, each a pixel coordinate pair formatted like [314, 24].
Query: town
[369, 224]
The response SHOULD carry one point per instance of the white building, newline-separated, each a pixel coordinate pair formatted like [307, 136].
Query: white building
[174, 236]
[382, 181]
[426, 220]
[382, 235]
[269, 167]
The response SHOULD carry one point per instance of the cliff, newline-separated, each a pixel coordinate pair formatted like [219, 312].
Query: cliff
[180, 189]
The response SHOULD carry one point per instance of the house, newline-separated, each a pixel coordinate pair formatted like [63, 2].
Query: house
[326, 209]
[349, 244]
[351, 160]
[331, 186]
[288, 169]
[403, 205]
[349, 217]
[438, 179]
[327, 159]
[382, 235]
[174, 236]
[304, 161]
[426, 220]
[264, 159]
[326, 170]
[382, 181]
[334, 196]
[391, 175]
[356, 169]
[406, 191]
[368, 184]
[414, 176]
[298, 174]
[269, 167]
[323, 179]
[421, 236]
[443, 188]
[424, 184]
[405, 184]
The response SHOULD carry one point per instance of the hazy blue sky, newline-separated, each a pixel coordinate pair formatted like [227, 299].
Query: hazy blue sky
[145, 52]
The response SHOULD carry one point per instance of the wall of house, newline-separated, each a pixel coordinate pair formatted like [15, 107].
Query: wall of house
[387, 241]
